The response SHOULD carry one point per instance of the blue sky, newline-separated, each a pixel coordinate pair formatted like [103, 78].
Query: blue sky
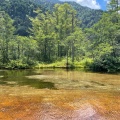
[102, 4]
[94, 4]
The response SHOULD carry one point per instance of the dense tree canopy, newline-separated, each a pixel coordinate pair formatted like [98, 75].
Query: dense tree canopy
[19, 10]
[48, 36]
[105, 40]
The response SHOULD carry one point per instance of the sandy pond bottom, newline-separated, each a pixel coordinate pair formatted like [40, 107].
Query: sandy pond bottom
[25, 103]
[59, 95]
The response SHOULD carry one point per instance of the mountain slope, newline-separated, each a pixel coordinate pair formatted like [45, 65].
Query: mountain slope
[86, 15]
[46, 1]
[20, 9]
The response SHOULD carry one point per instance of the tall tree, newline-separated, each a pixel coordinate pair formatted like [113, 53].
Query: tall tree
[65, 25]
[113, 5]
[43, 30]
[6, 35]
[104, 37]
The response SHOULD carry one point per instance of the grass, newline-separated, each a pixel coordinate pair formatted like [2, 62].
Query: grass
[62, 64]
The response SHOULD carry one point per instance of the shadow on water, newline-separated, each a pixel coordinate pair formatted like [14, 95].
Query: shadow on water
[17, 77]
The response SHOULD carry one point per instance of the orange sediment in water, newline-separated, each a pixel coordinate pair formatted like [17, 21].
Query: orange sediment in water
[59, 95]
[47, 104]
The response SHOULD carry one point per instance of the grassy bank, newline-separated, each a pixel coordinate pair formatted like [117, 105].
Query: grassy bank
[19, 64]
[63, 64]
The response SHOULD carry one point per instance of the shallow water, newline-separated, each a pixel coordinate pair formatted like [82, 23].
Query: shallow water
[59, 95]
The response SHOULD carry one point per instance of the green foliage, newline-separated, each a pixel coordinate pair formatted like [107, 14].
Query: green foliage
[20, 64]
[85, 64]
[56, 64]
[87, 16]
[106, 64]
[16, 64]
[104, 43]
[52, 33]
[6, 36]
[55, 38]
[18, 10]
[114, 5]
[21, 10]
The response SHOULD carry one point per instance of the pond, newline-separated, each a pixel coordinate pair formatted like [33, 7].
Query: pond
[58, 94]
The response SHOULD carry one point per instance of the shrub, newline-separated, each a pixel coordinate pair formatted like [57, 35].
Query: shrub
[17, 64]
[107, 64]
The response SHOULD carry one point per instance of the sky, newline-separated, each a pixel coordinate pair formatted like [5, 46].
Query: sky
[94, 4]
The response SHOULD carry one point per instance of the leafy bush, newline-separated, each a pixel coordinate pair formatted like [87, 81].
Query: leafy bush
[1, 65]
[107, 64]
[86, 62]
[17, 64]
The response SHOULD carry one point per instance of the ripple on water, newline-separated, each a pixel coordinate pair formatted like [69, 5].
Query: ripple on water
[51, 112]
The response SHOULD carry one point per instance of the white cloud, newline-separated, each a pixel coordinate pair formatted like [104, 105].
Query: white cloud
[107, 1]
[88, 3]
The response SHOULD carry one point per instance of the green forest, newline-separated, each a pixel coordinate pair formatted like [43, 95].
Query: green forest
[58, 34]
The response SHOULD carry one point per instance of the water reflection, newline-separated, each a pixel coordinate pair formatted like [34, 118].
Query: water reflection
[78, 79]
[60, 79]
[17, 77]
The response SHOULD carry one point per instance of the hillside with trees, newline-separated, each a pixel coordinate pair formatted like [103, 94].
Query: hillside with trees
[56, 35]
[19, 10]
[87, 16]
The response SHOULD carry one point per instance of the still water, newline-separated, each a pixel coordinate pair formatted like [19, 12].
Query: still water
[57, 94]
